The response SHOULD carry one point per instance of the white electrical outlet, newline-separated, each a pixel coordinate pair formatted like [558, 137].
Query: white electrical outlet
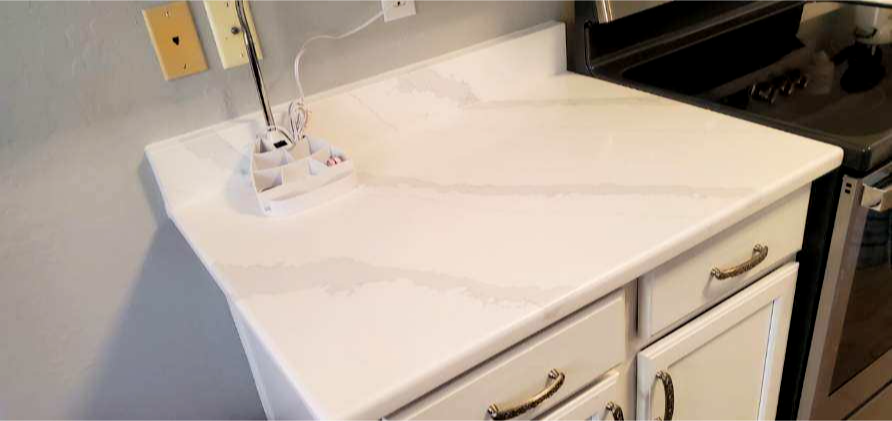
[230, 46]
[397, 9]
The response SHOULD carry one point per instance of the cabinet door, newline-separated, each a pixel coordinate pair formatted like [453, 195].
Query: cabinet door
[725, 364]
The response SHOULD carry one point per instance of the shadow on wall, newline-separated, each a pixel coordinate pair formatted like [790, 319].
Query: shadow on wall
[156, 357]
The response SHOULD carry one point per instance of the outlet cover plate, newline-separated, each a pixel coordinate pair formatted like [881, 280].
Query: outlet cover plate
[397, 9]
[230, 47]
[175, 39]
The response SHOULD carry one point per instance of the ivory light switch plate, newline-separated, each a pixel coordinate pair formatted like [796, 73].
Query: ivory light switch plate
[175, 39]
[231, 47]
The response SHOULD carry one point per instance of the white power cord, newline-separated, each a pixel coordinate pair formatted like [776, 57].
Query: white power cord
[297, 110]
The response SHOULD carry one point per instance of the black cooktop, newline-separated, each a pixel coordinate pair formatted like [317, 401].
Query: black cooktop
[761, 65]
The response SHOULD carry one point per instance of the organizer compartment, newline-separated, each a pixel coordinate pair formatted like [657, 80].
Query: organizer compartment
[268, 179]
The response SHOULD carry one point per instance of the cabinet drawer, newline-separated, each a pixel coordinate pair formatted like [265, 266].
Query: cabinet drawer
[592, 403]
[580, 347]
[680, 288]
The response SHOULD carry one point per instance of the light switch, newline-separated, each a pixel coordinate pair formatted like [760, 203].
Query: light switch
[230, 44]
[175, 39]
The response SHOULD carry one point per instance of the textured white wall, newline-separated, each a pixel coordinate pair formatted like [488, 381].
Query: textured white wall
[106, 312]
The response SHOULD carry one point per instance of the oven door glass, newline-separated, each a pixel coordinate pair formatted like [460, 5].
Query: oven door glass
[867, 329]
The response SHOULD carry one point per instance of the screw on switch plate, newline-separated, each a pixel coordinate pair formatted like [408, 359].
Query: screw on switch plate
[175, 39]
[397, 9]
[228, 32]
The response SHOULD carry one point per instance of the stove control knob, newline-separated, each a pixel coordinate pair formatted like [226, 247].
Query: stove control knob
[800, 79]
[764, 91]
[786, 86]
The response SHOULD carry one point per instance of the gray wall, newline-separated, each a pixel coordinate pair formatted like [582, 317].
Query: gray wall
[106, 312]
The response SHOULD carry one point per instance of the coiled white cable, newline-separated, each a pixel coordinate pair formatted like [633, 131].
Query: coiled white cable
[297, 110]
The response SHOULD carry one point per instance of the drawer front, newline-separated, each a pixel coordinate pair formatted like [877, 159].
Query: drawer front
[679, 289]
[597, 402]
[580, 347]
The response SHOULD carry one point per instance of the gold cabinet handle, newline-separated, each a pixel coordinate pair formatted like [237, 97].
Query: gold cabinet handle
[669, 390]
[555, 381]
[615, 410]
[760, 252]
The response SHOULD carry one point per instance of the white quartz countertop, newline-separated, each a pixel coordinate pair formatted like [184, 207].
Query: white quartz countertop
[498, 193]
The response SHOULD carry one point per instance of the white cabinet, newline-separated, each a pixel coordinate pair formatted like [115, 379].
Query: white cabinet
[730, 310]
[725, 364]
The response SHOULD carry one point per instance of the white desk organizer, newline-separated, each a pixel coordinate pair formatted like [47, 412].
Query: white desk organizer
[289, 181]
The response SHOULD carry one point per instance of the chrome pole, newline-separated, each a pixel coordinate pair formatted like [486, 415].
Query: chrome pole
[255, 65]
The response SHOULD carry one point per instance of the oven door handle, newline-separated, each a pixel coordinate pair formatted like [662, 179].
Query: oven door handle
[877, 199]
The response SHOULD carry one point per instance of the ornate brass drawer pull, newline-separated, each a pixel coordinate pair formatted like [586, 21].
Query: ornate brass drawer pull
[615, 410]
[669, 390]
[555, 379]
[760, 252]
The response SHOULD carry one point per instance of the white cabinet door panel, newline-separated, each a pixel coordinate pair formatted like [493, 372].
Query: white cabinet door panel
[726, 364]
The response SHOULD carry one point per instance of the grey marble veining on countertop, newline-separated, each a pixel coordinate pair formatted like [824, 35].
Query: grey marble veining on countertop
[498, 193]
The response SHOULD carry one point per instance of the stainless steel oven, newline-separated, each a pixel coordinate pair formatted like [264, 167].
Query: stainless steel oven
[851, 353]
